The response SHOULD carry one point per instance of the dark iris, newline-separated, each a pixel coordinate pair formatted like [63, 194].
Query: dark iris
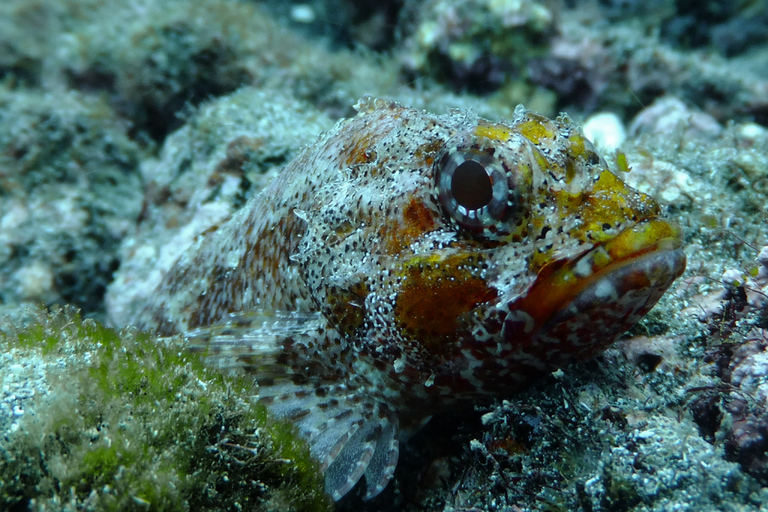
[471, 186]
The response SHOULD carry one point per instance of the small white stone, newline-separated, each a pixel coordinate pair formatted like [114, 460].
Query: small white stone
[15, 214]
[678, 185]
[34, 281]
[487, 418]
[762, 258]
[606, 131]
[752, 132]
[732, 278]
[303, 13]
[646, 434]
[668, 114]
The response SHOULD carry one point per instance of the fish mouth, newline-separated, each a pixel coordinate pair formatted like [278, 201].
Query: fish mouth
[577, 307]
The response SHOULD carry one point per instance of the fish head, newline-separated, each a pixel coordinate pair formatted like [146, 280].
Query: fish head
[480, 253]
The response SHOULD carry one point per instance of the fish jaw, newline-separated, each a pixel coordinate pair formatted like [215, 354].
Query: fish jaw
[578, 307]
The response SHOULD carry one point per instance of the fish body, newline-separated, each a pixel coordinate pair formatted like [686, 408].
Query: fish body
[406, 263]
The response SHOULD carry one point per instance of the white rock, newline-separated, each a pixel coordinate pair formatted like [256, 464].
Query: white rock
[606, 131]
[302, 13]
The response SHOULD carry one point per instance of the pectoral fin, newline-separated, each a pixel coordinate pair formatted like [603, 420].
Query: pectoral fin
[351, 431]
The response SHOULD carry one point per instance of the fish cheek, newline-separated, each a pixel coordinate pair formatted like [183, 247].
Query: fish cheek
[346, 307]
[434, 296]
[415, 219]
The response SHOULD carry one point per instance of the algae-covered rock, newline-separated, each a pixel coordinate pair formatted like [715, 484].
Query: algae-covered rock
[475, 45]
[95, 419]
[153, 58]
[69, 191]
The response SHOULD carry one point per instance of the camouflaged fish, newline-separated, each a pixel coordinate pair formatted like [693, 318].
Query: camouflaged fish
[406, 263]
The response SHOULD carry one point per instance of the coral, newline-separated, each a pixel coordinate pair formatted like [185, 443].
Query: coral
[154, 58]
[669, 114]
[709, 177]
[121, 421]
[154, 61]
[30, 35]
[747, 404]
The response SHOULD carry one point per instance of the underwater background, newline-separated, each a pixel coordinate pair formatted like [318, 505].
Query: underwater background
[128, 128]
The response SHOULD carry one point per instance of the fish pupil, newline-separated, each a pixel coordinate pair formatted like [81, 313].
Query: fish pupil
[471, 185]
[477, 189]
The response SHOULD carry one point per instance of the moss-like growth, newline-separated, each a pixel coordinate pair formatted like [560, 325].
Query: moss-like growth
[134, 423]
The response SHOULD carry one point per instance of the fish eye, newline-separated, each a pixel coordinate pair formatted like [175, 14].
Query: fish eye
[473, 188]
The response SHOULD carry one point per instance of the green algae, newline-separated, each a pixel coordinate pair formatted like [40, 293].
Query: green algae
[134, 423]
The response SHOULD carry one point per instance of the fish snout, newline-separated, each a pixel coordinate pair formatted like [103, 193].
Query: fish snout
[577, 308]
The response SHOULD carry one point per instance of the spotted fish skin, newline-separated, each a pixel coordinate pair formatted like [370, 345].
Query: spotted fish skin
[407, 263]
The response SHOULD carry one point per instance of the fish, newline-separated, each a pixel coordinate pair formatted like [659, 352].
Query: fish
[410, 263]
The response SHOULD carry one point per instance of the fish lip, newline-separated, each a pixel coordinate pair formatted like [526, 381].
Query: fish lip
[635, 267]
